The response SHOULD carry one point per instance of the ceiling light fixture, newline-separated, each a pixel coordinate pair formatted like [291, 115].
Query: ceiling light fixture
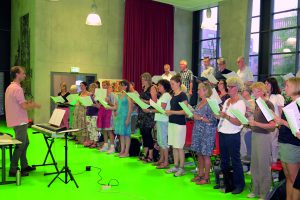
[93, 19]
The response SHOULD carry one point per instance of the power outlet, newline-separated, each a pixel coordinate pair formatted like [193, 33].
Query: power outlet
[88, 168]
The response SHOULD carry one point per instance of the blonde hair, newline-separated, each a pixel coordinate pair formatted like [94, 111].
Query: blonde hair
[107, 82]
[295, 81]
[93, 85]
[221, 60]
[236, 81]
[147, 77]
[207, 88]
[261, 86]
[167, 65]
[183, 61]
[73, 87]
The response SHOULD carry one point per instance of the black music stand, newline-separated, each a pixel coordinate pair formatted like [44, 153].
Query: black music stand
[66, 170]
[49, 152]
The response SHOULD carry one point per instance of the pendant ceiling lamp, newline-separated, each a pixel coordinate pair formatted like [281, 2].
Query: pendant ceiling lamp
[93, 19]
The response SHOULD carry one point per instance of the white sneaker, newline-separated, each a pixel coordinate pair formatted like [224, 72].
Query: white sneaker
[111, 150]
[172, 170]
[180, 172]
[104, 148]
[251, 195]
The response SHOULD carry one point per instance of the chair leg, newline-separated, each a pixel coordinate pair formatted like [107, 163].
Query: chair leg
[10, 151]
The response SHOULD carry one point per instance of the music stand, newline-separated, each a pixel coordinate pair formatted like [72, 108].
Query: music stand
[66, 170]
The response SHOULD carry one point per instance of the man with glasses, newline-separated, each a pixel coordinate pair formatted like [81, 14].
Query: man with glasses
[221, 69]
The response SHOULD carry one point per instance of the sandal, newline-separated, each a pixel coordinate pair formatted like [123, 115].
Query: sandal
[197, 178]
[142, 158]
[124, 156]
[93, 146]
[157, 163]
[163, 166]
[148, 160]
[203, 181]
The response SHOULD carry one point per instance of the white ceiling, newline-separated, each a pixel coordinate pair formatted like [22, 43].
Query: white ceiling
[191, 5]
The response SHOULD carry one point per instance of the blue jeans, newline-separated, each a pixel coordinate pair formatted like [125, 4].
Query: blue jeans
[230, 157]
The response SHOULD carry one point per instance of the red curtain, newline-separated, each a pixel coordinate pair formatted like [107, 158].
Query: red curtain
[148, 39]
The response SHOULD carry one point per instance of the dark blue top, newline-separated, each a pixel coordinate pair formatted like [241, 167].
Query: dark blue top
[91, 110]
[177, 119]
[286, 136]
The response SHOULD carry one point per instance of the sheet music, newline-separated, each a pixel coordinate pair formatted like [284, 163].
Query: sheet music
[229, 75]
[186, 109]
[214, 106]
[157, 107]
[265, 109]
[156, 78]
[215, 96]
[287, 76]
[72, 99]
[57, 99]
[211, 78]
[237, 113]
[292, 115]
[137, 100]
[86, 101]
[100, 94]
[104, 104]
[56, 117]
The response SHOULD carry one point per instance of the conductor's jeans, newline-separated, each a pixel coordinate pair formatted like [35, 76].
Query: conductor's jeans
[230, 156]
[20, 149]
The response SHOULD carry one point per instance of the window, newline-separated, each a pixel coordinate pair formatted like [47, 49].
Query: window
[284, 53]
[209, 36]
[254, 37]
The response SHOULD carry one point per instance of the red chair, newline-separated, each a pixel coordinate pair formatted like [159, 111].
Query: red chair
[276, 167]
[188, 140]
[189, 133]
[216, 151]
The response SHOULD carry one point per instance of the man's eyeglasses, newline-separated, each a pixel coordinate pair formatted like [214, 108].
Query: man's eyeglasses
[231, 86]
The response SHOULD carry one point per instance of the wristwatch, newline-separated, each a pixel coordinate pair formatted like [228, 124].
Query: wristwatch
[201, 118]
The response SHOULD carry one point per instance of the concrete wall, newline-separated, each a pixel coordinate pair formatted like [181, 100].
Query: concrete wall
[60, 39]
[233, 18]
[183, 32]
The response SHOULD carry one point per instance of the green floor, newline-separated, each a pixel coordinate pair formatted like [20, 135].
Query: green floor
[137, 181]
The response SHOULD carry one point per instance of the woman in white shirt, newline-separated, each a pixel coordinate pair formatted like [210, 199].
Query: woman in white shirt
[229, 133]
[277, 100]
[162, 121]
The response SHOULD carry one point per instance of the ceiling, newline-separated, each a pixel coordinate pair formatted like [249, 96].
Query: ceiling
[191, 5]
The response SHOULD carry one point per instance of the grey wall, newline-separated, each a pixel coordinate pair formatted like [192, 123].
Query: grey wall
[183, 29]
[233, 18]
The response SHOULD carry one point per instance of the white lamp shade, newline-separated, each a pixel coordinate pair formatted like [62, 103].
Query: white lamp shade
[209, 25]
[93, 19]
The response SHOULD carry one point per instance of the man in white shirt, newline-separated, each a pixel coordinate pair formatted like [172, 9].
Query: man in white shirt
[167, 75]
[208, 69]
[243, 71]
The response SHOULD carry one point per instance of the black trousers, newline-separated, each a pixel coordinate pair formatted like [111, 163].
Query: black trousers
[147, 138]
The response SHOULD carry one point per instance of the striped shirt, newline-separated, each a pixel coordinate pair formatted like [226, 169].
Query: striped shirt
[186, 78]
